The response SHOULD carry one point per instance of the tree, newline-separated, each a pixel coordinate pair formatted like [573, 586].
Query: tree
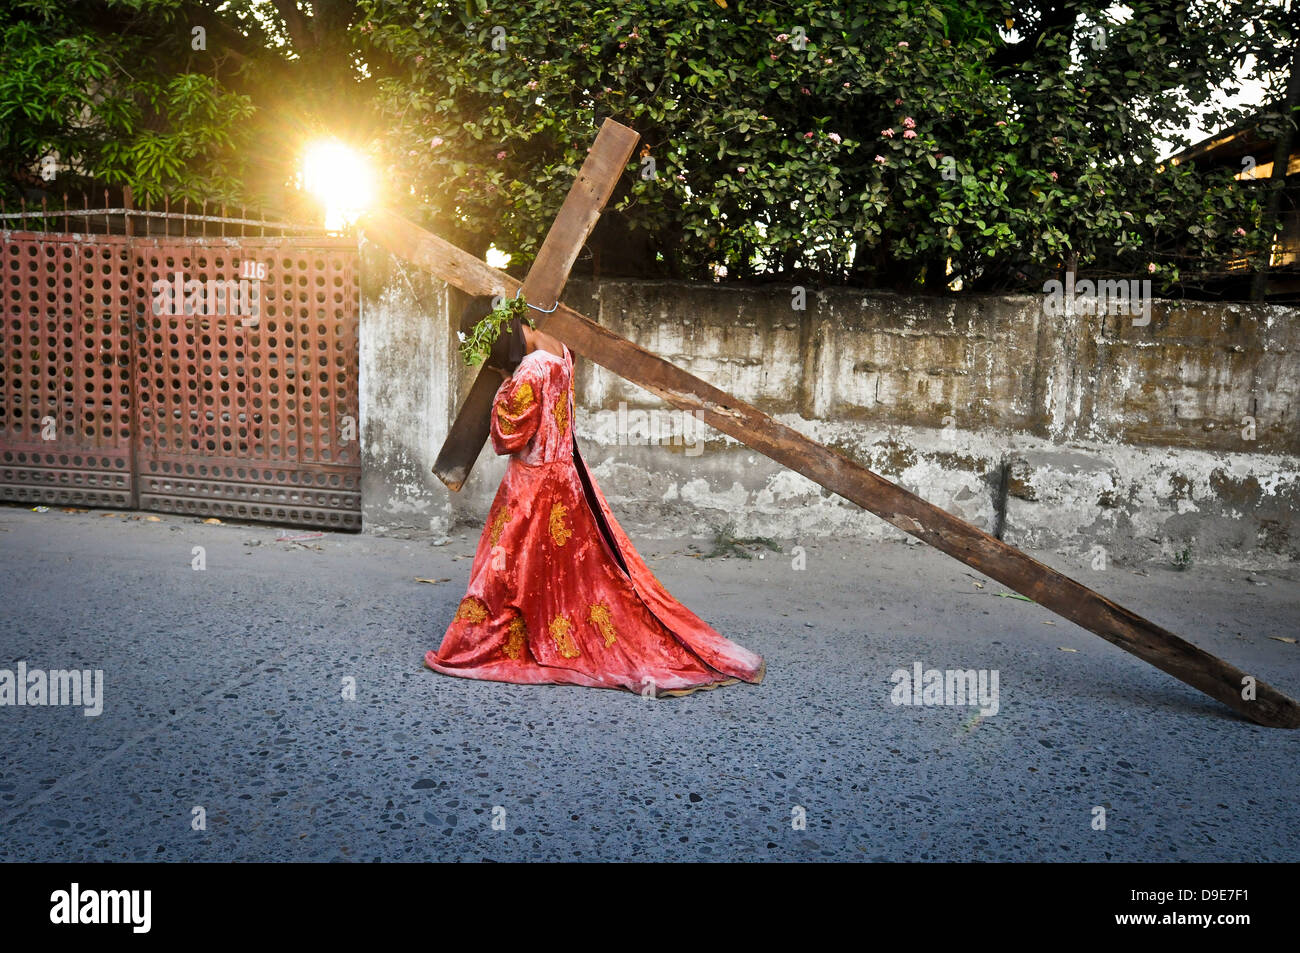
[880, 142]
[104, 104]
[198, 100]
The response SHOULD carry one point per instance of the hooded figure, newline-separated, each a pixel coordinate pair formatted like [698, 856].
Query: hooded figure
[509, 347]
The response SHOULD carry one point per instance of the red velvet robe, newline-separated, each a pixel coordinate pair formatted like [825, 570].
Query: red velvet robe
[556, 593]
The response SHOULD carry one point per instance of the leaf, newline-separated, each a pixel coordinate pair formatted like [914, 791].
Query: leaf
[1013, 595]
[1283, 638]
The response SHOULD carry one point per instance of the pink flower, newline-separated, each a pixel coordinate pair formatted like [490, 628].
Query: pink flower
[1151, 268]
[902, 45]
[846, 85]
[909, 122]
[806, 91]
[999, 123]
[775, 56]
[807, 135]
[1240, 231]
[435, 142]
[881, 159]
[419, 60]
[887, 133]
[782, 37]
[835, 138]
[1053, 175]
[532, 84]
[898, 102]
[910, 134]
[622, 46]
[501, 154]
[741, 170]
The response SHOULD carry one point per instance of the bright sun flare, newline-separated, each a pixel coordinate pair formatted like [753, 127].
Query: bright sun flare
[341, 180]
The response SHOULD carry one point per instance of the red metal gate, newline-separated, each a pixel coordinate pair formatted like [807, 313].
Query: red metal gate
[118, 391]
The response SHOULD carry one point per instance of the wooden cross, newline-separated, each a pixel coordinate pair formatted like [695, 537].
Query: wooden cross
[987, 554]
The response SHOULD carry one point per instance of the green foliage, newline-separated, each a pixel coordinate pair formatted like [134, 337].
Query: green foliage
[902, 137]
[109, 105]
[475, 346]
[907, 144]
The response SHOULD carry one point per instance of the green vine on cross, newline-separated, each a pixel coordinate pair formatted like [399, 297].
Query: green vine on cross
[477, 345]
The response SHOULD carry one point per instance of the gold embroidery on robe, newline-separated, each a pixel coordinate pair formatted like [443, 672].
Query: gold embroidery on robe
[523, 399]
[498, 524]
[471, 610]
[559, 532]
[599, 616]
[561, 411]
[561, 632]
[516, 638]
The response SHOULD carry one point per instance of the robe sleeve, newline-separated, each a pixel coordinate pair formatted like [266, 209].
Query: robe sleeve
[516, 411]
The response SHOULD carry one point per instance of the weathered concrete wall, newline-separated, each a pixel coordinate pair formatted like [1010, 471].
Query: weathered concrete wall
[1081, 433]
[407, 396]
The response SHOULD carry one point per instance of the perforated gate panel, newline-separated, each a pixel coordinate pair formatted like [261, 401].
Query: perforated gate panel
[245, 414]
[65, 378]
[246, 407]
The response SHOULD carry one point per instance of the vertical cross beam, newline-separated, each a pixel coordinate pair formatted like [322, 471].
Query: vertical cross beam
[542, 287]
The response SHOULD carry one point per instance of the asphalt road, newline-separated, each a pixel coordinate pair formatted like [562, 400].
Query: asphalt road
[224, 691]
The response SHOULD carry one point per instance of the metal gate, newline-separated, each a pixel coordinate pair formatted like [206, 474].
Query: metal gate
[213, 376]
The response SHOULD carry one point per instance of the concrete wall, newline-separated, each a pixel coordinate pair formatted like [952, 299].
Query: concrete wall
[408, 397]
[1080, 433]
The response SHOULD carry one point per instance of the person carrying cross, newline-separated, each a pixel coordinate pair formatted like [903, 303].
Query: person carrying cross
[557, 593]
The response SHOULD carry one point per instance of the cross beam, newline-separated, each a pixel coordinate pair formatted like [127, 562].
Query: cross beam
[545, 282]
[905, 510]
